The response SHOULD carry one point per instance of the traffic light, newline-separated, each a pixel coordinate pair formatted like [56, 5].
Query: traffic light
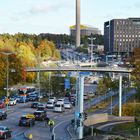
[85, 115]
[78, 123]
[80, 115]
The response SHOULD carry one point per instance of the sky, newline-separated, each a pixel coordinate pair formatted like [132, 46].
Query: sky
[56, 16]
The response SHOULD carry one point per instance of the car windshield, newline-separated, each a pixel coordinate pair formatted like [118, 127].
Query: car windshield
[49, 103]
[24, 118]
[57, 105]
[37, 113]
[66, 103]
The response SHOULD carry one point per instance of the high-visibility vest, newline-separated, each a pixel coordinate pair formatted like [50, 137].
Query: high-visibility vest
[51, 122]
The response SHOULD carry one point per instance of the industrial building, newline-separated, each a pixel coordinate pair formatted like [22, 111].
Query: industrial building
[84, 30]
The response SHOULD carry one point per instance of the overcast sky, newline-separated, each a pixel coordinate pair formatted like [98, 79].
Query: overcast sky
[55, 16]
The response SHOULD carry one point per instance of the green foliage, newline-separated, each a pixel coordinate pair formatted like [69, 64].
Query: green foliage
[105, 84]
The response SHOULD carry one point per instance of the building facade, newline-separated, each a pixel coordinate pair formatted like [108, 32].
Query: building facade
[84, 30]
[121, 35]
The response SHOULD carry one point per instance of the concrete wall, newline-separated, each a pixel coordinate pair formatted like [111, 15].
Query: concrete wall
[96, 118]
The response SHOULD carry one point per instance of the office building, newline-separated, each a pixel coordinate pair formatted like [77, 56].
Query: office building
[121, 35]
[84, 30]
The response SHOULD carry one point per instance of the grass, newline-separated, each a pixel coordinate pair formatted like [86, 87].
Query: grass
[128, 129]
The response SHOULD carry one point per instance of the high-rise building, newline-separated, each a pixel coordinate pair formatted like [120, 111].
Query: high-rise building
[121, 35]
[84, 30]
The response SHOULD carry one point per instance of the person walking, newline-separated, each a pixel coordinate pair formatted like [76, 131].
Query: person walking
[51, 124]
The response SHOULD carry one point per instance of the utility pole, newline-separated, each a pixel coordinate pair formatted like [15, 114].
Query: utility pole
[80, 105]
[77, 23]
[91, 49]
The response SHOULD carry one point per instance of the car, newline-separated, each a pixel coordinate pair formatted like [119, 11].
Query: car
[35, 104]
[50, 104]
[2, 104]
[60, 101]
[59, 108]
[40, 115]
[67, 105]
[33, 97]
[52, 99]
[3, 114]
[41, 106]
[12, 101]
[23, 99]
[27, 120]
[5, 132]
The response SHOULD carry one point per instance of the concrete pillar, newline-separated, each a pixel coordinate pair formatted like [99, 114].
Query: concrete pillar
[81, 105]
[120, 96]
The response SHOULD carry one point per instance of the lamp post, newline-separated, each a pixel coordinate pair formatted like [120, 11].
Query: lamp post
[91, 49]
[7, 72]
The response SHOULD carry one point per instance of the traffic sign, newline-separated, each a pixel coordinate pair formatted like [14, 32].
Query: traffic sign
[67, 83]
[85, 73]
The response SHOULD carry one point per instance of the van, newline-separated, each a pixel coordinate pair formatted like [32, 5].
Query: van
[59, 108]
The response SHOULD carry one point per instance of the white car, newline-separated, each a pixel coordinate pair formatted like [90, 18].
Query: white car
[50, 104]
[52, 99]
[67, 105]
[60, 101]
[59, 108]
[41, 106]
[12, 101]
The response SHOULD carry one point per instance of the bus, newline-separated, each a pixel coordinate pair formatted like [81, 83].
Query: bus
[26, 90]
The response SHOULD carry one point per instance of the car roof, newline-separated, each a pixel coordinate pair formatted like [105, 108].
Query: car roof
[39, 111]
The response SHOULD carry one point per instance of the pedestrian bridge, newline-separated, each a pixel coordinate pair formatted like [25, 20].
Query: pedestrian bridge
[78, 68]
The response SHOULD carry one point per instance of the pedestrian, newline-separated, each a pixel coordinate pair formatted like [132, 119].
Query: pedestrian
[51, 124]
[47, 121]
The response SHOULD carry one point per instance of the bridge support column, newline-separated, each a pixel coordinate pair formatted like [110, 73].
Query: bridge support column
[120, 96]
[80, 105]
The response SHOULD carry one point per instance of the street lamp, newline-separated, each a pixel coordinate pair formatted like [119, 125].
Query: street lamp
[91, 49]
[7, 72]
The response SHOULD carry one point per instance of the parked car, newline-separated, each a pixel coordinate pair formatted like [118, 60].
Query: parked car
[3, 114]
[27, 120]
[5, 132]
[40, 115]
[59, 108]
[2, 104]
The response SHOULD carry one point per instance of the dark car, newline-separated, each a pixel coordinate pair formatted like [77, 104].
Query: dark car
[33, 97]
[27, 120]
[5, 132]
[35, 104]
[40, 115]
[23, 99]
[3, 114]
